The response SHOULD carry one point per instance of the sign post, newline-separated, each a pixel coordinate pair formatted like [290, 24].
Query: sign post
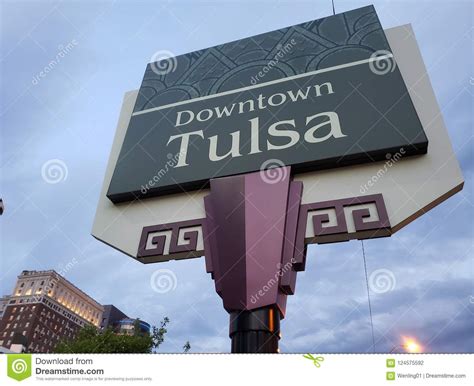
[250, 230]
[255, 331]
[247, 152]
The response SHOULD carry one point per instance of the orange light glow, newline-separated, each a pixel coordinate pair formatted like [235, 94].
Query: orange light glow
[411, 345]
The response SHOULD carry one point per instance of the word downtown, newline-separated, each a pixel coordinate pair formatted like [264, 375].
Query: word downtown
[289, 128]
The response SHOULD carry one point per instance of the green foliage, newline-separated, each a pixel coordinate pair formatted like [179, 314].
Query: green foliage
[90, 340]
[186, 347]
[158, 334]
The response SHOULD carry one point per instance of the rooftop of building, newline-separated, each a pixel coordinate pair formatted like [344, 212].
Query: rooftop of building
[52, 272]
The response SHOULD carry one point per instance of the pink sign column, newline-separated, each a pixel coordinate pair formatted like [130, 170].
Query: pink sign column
[250, 234]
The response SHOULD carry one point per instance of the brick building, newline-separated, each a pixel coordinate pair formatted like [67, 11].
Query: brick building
[45, 308]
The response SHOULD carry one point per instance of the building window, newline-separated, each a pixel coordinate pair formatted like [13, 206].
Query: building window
[22, 285]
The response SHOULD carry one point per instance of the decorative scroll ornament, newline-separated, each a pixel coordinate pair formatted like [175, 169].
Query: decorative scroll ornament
[276, 236]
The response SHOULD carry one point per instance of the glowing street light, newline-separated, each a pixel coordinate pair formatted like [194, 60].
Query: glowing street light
[409, 345]
[412, 346]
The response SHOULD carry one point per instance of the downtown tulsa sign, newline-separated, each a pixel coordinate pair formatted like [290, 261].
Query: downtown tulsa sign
[311, 107]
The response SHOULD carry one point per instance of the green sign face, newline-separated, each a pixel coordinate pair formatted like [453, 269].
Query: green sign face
[318, 95]
[19, 366]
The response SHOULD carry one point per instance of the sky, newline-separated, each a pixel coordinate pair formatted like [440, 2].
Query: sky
[67, 117]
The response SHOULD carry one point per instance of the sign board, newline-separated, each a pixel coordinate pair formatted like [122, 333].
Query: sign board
[310, 96]
[355, 201]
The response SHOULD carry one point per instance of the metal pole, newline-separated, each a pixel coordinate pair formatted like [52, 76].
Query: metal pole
[255, 331]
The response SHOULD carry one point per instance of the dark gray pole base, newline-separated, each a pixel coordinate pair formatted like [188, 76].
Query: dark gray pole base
[256, 331]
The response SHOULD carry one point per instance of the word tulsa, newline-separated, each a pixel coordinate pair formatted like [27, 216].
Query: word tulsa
[285, 128]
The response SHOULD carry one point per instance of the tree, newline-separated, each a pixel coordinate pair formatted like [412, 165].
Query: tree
[158, 334]
[186, 347]
[91, 340]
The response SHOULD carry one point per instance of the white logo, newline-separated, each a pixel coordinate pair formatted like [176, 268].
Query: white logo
[381, 281]
[382, 62]
[19, 366]
[273, 171]
[163, 62]
[54, 171]
[163, 281]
